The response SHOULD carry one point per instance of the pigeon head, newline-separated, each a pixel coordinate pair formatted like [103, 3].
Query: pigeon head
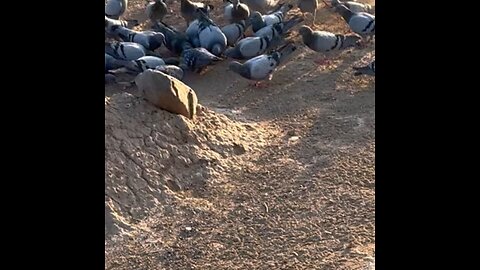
[235, 67]
[256, 17]
[305, 31]
[218, 49]
[345, 12]
[159, 37]
[352, 41]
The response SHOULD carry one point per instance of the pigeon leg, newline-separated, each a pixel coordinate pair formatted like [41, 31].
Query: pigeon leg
[326, 4]
[260, 85]
[314, 17]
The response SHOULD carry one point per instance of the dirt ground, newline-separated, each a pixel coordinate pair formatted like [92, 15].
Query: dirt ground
[274, 178]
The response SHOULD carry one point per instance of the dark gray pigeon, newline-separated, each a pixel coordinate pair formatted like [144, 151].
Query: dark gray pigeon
[172, 70]
[210, 35]
[233, 32]
[175, 40]
[361, 23]
[259, 21]
[125, 50]
[235, 11]
[149, 39]
[115, 8]
[365, 70]
[262, 67]
[188, 9]
[197, 59]
[156, 10]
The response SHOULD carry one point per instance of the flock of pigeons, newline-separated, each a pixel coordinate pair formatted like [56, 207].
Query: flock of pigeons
[204, 42]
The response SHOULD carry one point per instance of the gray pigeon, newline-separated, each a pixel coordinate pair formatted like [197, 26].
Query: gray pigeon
[171, 70]
[354, 6]
[278, 29]
[115, 8]
[125, 50]
[111, 63]
[365, 70]
[326, 42]
[156, 10]
[235, 11]
[109, 23]
[210, 35]
[141, 64]
[262, 67]
[309, 6]
[192, 33]
[361, 23]
[233, 32]
[175, 40]
[188, 10]
[259, 21]
[250, 47]
[149, 39]
[197, 59]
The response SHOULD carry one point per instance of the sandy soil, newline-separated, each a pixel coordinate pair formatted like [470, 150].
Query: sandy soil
[275, 178]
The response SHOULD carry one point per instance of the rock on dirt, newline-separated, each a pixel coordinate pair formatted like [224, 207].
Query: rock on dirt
[167, 92]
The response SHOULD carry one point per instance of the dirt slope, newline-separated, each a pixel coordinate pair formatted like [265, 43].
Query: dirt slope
[280, 177]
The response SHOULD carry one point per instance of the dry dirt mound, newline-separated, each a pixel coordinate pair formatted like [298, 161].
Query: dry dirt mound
[152, 156]
[302, 196]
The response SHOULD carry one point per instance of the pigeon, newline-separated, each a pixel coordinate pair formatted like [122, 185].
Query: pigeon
[233, 32]
[110, 78]
[149, 39]
[188, 10]
[326, 42]
[109, 23]
[125, 50]
[192, 33]
[354, 6]
[175, 41]
[171, 70]
[252, 46]
[365, 70]
[361, 23]
[115, 8]
[262, 6]
[139, 65]
[210, 35]
[259, 21]
[262, 67]
[111, 63]
[235, 11]
[156, 10]
[278, 29]
[197, 59]
[309, 6]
